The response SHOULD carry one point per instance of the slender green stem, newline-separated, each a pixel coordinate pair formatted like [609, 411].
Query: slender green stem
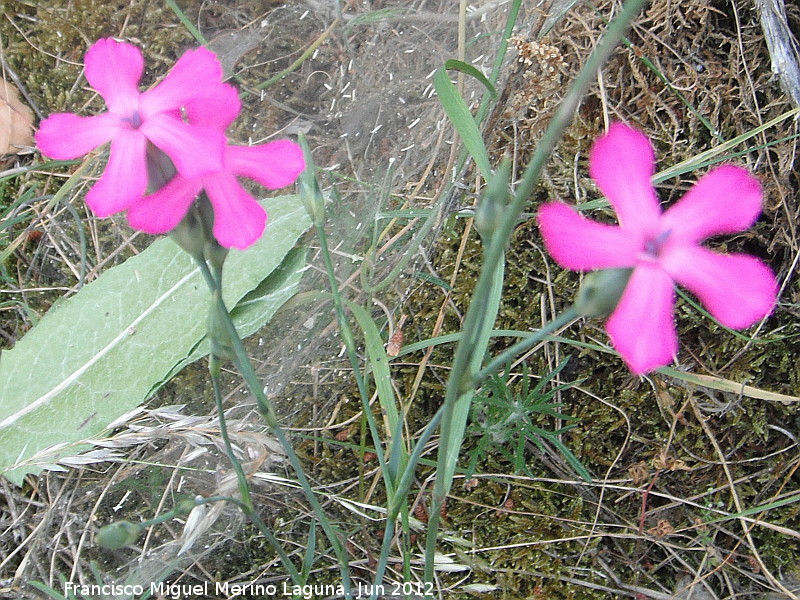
[301, 59]
[524, 345]
[262, 527]
[274, 542]
[350, 346]
[465, 350]
[163, 517]
[268, 414]
[214, 282]
[214, 367]
[187, 22]
[245, 368]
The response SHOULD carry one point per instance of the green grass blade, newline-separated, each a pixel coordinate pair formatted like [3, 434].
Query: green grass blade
[379, 362]
[695, 161]
[186, 22]
[462, 119]
[308, 559]
[468, 69]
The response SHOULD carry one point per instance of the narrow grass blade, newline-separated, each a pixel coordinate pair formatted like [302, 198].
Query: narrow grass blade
[379, 362]
[726, 385]
[459, 114]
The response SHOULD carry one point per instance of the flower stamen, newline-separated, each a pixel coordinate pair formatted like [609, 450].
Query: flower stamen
[135, 120]
[652, 246]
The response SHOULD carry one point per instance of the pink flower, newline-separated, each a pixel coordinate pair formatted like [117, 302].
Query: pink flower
[135, 119]
[239, 220]
[662, 248]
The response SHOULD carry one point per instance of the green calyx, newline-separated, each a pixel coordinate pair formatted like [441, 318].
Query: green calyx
[601, 291]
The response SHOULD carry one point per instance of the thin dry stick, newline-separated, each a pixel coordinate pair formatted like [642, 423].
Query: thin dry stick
[604, 484]
[737, 502]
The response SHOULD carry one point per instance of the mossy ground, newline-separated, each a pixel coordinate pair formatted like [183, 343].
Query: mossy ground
[648, 519]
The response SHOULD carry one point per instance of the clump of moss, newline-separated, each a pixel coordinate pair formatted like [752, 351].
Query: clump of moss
[45, 44]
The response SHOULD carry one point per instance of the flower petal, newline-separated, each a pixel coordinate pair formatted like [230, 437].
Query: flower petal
[64, 136]
[737, 289]
[114, 69]
[725, 200]
[580, 244]
[215, 110]
[622, 163]
[238, 219]
[195, 151]
[642, 327]
[274, 165]
[194, 73]
[162, 211]
[125, 178]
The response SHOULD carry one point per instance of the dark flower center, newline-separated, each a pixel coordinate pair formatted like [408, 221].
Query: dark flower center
[653, 246]
[135, 120]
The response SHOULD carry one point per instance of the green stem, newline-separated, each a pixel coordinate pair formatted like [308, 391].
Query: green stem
[246, 502]
[350, 346]
[465, 351]
[524, 345]
[214, 367]
[245, 368]
[301, 59]
[187, 22]
[253, 515]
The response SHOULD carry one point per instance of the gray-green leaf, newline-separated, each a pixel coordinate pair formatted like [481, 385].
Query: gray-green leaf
[101, 353]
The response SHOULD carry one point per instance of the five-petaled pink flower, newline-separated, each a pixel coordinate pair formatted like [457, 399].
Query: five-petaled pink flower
[133, 119]
[184, 117]
[662, 248]
[239, 219]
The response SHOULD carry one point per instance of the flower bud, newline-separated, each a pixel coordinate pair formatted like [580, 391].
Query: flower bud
[189, 235]
[118, 535]
[492, 206]
[313, 200]
[310, 192]
[600, 292]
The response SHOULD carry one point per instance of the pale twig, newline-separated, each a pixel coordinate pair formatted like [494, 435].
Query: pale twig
[746, 529]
